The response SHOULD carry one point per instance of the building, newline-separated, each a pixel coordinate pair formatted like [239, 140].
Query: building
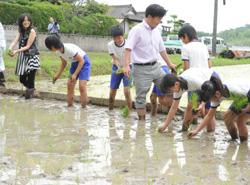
[126, 15]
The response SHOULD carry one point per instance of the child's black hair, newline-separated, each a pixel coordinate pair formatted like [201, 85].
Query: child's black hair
[53, 41]
[155, 10]
[116, 31]
[189, 31]
[209, 88]
[169, 81]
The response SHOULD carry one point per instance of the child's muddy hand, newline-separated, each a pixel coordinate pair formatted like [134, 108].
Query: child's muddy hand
[11, 53]
[126, 71]
[162, 129]
[191, 134]
[73, 77]
[173, 67]
[55, 78]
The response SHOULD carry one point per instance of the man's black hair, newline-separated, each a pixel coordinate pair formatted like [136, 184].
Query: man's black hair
[155, 10]
[53, 41]
[116, 31]
[189, 31]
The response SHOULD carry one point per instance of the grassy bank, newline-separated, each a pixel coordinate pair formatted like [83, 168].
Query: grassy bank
[50, 64]
[101, 64]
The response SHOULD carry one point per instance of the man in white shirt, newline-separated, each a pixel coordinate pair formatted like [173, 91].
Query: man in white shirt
[142, 48]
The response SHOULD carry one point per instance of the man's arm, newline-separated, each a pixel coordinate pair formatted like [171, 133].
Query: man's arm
[127, 62]
[166, 58]
[209, 63]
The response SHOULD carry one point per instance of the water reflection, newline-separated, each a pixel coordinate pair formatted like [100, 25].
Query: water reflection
[48, 143]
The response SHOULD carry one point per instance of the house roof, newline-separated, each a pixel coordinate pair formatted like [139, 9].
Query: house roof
[125, 11]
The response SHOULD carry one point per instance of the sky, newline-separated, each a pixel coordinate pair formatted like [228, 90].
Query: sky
[199, 13]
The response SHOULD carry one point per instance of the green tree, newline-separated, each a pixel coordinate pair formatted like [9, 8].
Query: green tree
[176, 23]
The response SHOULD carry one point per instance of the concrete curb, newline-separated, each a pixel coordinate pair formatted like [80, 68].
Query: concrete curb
[92, 100]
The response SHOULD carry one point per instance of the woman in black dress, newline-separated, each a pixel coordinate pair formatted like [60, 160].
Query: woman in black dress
[27, 60]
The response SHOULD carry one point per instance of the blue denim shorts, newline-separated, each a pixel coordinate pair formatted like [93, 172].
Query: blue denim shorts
[117, 78]
[84, 73]
[156, 90]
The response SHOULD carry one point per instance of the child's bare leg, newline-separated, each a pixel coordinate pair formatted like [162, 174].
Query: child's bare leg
[242, 128]
[71, 87]
[229, 119]
[112, 95]
[211, 125]
[83, 92]
[166, 101]
[188, 116]
[153, 101]
[127, 95]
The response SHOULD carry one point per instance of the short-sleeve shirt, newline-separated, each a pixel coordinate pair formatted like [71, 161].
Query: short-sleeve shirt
[196, 53]
[53, 28]
[145, 43]
[70, 51]
[117, 51]
[195, 77]
[238, 86]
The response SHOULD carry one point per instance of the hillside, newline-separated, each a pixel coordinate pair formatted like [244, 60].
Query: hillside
[237, 36]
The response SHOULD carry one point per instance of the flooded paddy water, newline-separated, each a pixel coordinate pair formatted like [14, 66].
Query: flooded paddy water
[44, 142]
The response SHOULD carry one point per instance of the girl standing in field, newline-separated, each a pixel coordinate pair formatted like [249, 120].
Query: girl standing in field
[80, 66]
[193, 54]
[27, 60]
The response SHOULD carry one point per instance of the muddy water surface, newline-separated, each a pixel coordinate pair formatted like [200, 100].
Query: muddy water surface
[44, 142]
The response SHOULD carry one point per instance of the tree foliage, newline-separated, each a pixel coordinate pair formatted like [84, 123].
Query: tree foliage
[176, 23]
[88, 18]
[238, 36]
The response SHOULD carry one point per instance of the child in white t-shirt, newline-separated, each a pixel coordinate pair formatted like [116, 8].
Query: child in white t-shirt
[238, 113]
[80, 66]
[193, 54]
[116, 49]
[190, 80]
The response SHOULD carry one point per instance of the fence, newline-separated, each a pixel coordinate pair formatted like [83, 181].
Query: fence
[87, 43]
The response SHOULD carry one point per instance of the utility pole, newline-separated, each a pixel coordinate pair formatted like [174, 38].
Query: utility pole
[215, 27]
[214, 40]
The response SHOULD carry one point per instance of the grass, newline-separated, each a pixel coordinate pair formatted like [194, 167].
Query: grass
[50, 64]
[101, 64]
[239, 101]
